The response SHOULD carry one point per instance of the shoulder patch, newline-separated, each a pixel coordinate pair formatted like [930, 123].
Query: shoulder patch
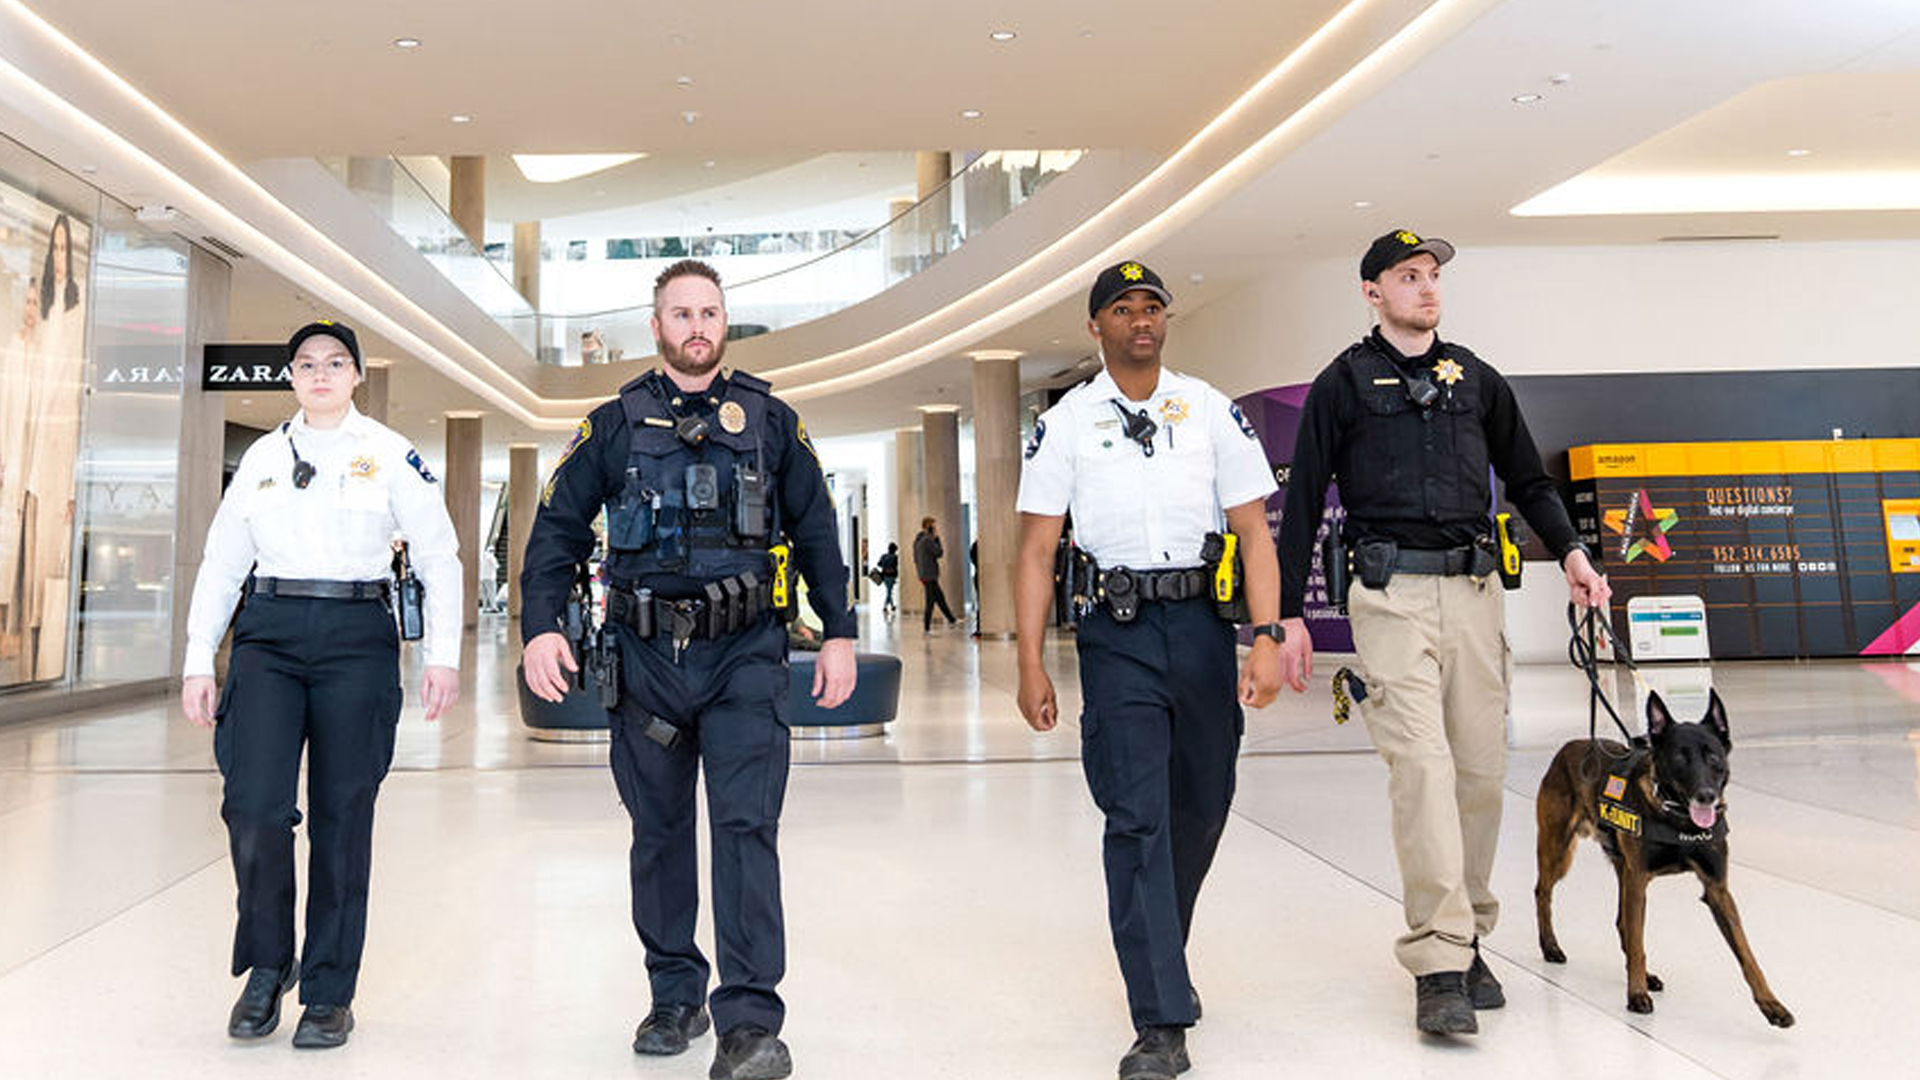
[800, 432]
[419, 466]
[1246, 425]
[580, 435]
[1033, 442]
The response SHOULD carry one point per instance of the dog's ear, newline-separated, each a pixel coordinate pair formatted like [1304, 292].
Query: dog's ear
[1716, 720]
[1659, 720]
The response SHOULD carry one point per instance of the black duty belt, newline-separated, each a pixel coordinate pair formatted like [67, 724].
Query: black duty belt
[729, 606]
[1123, 590]
[319, 590]
[1449, 562]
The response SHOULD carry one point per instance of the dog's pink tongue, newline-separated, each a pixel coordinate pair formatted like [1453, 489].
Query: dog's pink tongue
[1703, 816]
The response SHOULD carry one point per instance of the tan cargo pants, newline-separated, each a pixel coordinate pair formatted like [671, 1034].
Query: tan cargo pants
[1433, 651]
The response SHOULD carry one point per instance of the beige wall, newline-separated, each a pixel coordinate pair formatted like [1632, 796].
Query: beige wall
[1583, 310]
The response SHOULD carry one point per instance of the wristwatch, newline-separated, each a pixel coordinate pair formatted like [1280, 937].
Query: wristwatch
[1271, 630]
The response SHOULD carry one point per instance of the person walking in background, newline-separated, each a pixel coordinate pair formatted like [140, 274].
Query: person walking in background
[889, 567]
[927, 552]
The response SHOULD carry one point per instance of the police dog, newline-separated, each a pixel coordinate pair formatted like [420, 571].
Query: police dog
[1656, 810]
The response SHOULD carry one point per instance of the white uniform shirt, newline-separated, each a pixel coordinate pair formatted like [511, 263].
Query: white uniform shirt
[368, 485]
[1145, 513]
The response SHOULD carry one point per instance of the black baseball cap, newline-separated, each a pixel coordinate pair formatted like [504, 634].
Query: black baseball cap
[340, 332]
[1397, 247]
[1120, 279]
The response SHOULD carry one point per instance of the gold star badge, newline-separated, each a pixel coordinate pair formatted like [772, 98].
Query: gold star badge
[1406, 238]
[1133, 272]
[1448, 372]
[1173, 411]
[363, 468]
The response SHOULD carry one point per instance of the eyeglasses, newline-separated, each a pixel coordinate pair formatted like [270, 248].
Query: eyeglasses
[307, 369]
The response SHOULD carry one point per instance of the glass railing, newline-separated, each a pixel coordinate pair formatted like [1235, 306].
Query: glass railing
[775, 279]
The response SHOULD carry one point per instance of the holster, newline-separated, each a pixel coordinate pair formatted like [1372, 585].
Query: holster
[1122, 593]
[604, 662]
[1075, 575]
[1336, 566]
[409, 599]
[1374, 559]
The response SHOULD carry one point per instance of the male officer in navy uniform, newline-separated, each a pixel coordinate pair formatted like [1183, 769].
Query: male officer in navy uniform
[701, 473]
[1161, 720]
[1409, 425]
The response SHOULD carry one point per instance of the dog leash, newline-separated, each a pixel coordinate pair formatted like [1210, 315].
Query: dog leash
[1583, 651]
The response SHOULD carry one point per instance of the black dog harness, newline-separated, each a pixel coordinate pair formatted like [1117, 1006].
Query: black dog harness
[1621, 808]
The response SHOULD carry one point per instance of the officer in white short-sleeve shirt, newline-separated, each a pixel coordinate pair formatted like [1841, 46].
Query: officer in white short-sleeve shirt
[1149, 462]
[306, 530]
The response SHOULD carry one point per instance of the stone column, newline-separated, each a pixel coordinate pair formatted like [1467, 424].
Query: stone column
[907, 500]
[467, 199]
[523, 501]
[370, 397]
[940, 432]
[996, 483]
[462, 484]
[203, 420]
[526, 261]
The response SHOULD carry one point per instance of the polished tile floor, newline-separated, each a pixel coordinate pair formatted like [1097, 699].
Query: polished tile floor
[944, 903]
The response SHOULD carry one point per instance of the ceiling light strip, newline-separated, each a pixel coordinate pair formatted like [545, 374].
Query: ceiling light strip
[1439, 19]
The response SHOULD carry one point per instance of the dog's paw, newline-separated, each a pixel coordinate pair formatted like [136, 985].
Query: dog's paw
[1654, 984]
[1553, 953]
[1776, 1013]
[1640, 1003]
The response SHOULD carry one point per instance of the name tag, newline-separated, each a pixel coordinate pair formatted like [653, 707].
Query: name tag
[1386, 382]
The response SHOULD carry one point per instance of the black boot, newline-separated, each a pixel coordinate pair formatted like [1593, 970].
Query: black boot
[257, 1012]
[669, 1028]
[1482, 987]
[1441, 1004]
[1160, 1053]
[750, 1052]
[323, 1027]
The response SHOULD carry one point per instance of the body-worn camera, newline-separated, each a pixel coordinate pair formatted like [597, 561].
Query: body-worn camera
[703, 487]
[692, 430]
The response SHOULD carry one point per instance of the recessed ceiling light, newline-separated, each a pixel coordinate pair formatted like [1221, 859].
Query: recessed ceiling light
[1362, 204]
[684, 82]
[690, 116]
[1003, 35]
[1526, 99]
[89, 169]
[1798, 152]
[1197, 277]
[246, 401]
[708, 164]
[970, 114]
[1560, 79]
[406, 43]
[461, 118]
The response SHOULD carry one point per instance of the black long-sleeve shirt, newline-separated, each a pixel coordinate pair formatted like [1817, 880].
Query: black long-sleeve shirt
[594, 470]
[1330, 412]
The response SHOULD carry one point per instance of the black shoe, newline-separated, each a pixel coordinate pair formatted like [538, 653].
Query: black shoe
[323, 1027]
[257, 1012]
[750, 1052]
[1195, 994]
[1482, 987]
[668, 1029]
[1160, 1053]
[1441, 1005]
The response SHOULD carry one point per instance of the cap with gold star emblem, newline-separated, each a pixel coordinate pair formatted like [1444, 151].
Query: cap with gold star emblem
[1397, 247]
[1122, 278]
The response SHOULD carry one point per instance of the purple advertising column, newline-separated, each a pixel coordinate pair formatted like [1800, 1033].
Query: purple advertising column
[1275, 414]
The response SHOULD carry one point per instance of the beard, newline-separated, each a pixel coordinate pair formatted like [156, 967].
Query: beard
[676, 357]
[1415, 321]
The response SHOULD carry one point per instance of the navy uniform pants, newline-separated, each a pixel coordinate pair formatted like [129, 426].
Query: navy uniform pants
[1159, 736]
[729, 700]
[323, 676]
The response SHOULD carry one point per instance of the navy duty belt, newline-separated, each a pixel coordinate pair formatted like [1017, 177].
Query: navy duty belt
[306, 589]
[726, 607]
[1123, 590]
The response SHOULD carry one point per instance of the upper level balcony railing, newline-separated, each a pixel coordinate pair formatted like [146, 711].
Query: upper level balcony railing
[775, 279]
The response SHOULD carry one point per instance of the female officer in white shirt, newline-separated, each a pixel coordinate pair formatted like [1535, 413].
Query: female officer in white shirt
[306, 529]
